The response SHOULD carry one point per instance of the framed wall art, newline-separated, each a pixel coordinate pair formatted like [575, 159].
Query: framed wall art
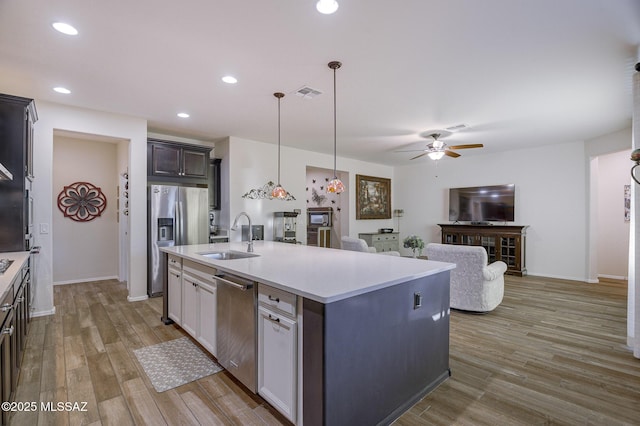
[373, 197]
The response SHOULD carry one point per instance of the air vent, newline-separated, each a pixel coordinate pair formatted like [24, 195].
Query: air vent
[308, 92]
[456, 128]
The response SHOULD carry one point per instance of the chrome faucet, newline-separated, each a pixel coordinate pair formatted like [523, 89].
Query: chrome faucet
[235, 227]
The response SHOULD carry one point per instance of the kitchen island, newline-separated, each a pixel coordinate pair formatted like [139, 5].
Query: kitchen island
[371, 332]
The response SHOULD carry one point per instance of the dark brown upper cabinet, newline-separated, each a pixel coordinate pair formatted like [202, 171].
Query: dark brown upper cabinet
[177, 162]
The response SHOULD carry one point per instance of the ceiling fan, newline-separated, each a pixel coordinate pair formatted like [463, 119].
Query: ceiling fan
[438, 149]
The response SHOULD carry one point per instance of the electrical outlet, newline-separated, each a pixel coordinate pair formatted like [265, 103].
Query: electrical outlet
[417, 300]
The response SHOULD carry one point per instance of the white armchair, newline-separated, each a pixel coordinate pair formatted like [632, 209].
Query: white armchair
[475, 285]
[358, 244]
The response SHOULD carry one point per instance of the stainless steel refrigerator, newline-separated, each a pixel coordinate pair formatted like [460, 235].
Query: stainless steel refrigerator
[178, 215]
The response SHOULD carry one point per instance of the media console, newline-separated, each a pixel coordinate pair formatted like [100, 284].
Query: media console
[502, 242]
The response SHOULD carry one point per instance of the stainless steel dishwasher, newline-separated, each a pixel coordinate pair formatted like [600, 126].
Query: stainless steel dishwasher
[236, 335]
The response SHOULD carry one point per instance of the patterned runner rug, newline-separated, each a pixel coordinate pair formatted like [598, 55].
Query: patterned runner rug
[175, 363]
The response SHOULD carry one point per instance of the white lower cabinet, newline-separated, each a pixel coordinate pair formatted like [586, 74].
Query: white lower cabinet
[189, 304]
[174, 284]
[277, 351]
[199, 305]
[206, 332]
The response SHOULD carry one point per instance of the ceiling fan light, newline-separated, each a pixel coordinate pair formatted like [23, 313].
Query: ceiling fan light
[335, 186]
[436, 155]
[327, 7]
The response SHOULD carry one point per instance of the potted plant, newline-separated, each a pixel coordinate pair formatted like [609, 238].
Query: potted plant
[414, 243]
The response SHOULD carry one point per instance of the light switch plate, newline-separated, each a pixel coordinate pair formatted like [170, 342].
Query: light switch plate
[44, 228]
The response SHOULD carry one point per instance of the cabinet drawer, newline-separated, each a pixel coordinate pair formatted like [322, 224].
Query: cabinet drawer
[174, 261]
[385, 237]
[206, 273]
[274, 298]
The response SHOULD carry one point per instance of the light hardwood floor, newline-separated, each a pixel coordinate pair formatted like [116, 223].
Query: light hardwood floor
[552, 353]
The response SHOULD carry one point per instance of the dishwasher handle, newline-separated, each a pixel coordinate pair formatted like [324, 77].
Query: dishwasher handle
[240, 286]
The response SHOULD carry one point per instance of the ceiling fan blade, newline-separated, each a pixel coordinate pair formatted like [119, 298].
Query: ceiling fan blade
[470, 145]
[418, 156]
[451, 154]
[411, 150]
[427, 149]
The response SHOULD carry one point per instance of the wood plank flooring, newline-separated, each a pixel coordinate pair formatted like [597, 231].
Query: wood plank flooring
[552, 353]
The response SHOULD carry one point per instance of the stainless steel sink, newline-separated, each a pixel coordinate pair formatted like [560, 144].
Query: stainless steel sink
[227, 255]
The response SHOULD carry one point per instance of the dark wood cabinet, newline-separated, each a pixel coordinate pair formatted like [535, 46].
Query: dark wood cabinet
[502, 242]
[177, 161]
[17, 116]
[14, 322]
[7, 348]
[214, 184]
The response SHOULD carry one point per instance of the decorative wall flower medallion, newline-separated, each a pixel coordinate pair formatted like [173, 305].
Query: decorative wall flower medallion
[82, 201]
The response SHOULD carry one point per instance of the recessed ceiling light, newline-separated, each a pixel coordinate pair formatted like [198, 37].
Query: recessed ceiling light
[183, 115]
[229, 79]
[327, 6]
[62, 90]
[65, 28]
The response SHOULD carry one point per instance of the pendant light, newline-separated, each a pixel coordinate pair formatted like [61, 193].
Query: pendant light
[270, 191]
[335, 186]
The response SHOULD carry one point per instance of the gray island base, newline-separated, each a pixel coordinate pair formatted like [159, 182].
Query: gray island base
[372, 331]
[369, 358]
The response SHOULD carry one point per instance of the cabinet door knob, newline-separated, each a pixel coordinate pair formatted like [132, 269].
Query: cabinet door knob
[6, 307]
[8, 330]
[274, 299]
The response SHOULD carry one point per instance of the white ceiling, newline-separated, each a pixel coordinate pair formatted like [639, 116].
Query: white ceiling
[519, 73]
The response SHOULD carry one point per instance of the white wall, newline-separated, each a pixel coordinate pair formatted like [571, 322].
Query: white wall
[250, 164]
[550, 199]
[85, 251]
[51, 117]
[612, 230]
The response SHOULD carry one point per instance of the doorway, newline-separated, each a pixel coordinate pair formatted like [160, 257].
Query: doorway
[94, 247]
[317, 196]
[610, 223]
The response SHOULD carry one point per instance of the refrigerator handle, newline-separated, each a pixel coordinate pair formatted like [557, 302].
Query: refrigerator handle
[178, 223]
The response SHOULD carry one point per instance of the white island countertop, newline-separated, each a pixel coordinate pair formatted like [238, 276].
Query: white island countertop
[321, 274]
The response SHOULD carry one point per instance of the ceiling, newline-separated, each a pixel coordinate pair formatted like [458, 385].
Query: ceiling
[518, 73]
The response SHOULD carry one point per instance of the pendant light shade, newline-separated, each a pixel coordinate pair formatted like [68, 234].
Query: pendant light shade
[270, 191]
[335, 186]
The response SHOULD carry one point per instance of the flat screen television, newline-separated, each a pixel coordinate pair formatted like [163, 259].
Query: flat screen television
[481, 204]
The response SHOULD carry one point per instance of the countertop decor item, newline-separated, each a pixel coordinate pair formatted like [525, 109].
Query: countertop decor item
[82, 201]
[335, 185]
[414, 243]
[373, 197]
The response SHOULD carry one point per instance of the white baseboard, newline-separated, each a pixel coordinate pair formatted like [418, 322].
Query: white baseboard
[612, 277]
[85, 280]
[43, 313]
[561, 277]
[137, 299]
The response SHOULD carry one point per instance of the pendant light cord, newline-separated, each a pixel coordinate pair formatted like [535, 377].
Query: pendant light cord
[335, 149]
[279, 140]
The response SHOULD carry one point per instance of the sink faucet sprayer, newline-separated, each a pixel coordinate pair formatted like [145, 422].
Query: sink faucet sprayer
[235, 227]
